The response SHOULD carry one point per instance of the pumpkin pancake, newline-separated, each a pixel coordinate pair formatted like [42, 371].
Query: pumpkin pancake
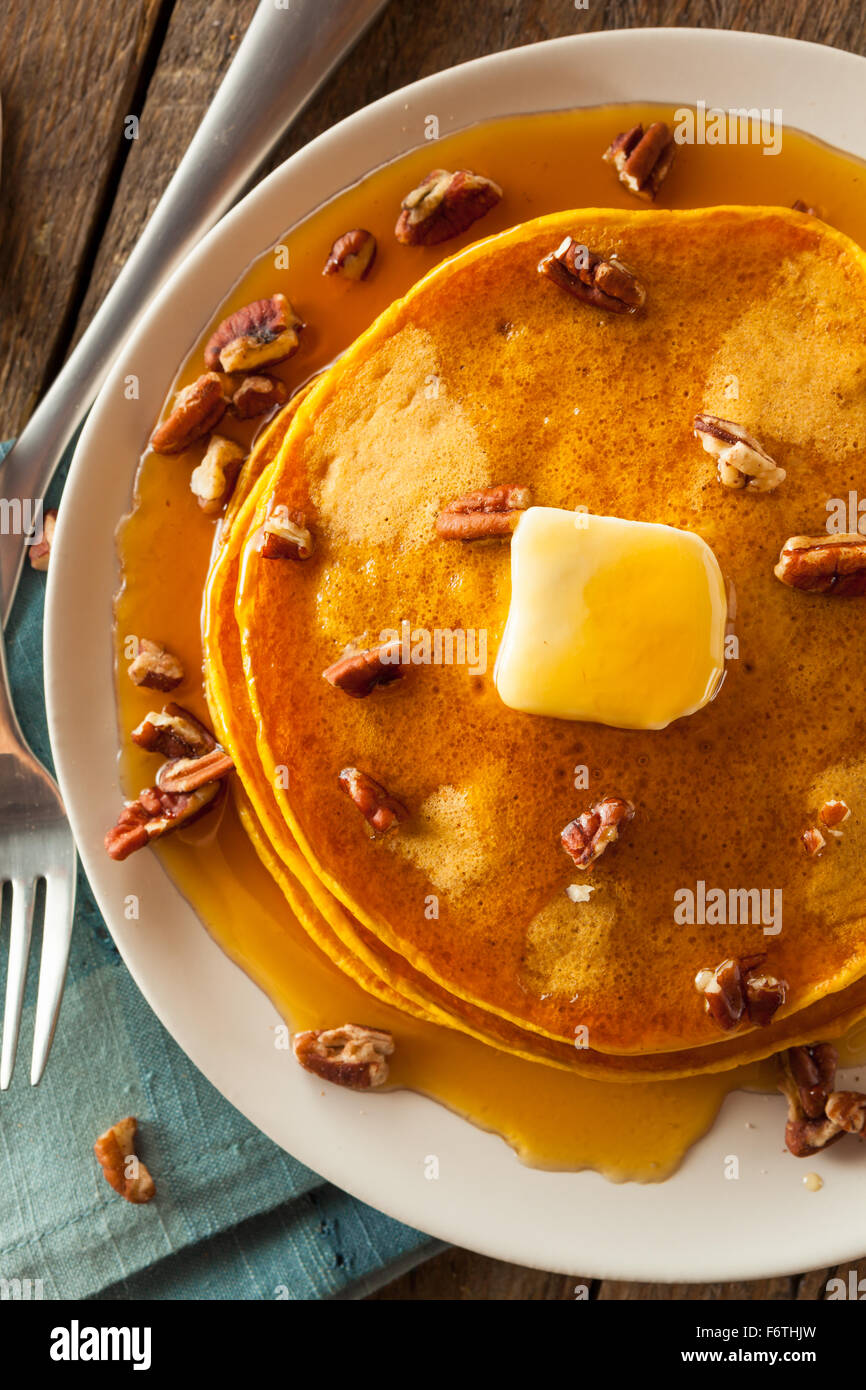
[488, 373]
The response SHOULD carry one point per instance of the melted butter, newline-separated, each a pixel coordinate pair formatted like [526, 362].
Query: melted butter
[551, 1118]
[611, 621]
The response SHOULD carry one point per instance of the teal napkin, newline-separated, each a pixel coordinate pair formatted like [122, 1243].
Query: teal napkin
[234, 1215]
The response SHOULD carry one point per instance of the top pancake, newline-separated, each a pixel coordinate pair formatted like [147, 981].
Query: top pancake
[487, 373]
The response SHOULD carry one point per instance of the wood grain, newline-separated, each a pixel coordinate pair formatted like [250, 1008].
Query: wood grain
[75, 196]
[68, 75]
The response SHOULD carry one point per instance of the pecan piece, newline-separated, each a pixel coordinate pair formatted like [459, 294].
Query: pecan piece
[40, 551]
[197, 410]
[212, 481]
[265, 331]
[188, 774]
[586, 838]
[173, 732]
[741, 461]
[806, 1078]
[381, 810]
[834, 813]
[642, 158]
[352, 1055]
[286, 536]
[359, 673]
[847, 1109]
[443, 205]
[813, 841]
[490, 512]
[352, 255]
[258, 394]
[154, 814]
[799, 206]
[154, 667]
[115, 1154]
[737, 989]
[824, 564]
[605, 283]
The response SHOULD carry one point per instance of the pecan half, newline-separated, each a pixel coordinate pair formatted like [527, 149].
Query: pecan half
[586, 838]
[490, 512]
[806, 1077]
[824, 564]
[154, 814]
[173, 732]
[741, 460]
[40, 551]
[359, 673]
[258, 394]
[265, 331]
[197, 410]
[115, 1154]
[605, 283]
[443, 205]
[188, 774]
[738, 989]
[352, 255]
[351, 1055]
[381, 810]
[642, 158]
[154, 667]
[212, 481]
[286, 536]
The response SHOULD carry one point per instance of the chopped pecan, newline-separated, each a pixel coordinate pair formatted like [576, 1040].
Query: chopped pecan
[173, 732]
[490, 512]
[806, 1078]
[800, 206]
[604, 282]
[197, 410]
[265, 331]
[443, 205]
[381, 810]
[115, 1154]
[834, 813]
[155, 813]
[286, 536]
[813, 841]
[358, 673]
[258, 394]
[352, 255]
[847, 1109]
[824, 564]
[738, 989]
[741, 460]
[154, 667]
[188, 774]
[586, 838]
[212, 481]
[40, 551]
[642, 158]
[352, 1055]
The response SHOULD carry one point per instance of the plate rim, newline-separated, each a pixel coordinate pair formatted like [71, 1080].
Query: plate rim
[342, 1149]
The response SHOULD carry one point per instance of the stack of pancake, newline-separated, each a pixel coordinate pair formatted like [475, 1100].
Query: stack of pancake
[488, 373]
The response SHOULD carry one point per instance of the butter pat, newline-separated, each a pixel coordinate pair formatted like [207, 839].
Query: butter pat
[616, 622]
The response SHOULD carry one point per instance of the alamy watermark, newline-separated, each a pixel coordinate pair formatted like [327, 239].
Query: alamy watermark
[438, 646]
[740, 125]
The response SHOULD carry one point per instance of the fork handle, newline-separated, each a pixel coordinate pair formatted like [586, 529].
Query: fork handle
[285, 56]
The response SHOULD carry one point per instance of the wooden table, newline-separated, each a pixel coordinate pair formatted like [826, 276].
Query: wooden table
[76, 193]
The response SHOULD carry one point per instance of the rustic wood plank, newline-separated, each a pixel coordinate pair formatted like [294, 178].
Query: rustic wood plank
[68, 73]
[458, 1275]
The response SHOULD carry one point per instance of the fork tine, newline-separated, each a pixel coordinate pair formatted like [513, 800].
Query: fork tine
[23, 899]
[56, 935]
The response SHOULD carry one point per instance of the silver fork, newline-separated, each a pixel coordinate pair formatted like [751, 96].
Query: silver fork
[35, 843]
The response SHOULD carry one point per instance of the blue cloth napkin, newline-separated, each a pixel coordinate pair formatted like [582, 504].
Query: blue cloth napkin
[234, 1215]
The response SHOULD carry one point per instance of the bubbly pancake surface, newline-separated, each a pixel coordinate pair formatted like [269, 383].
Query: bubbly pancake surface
[487, 373]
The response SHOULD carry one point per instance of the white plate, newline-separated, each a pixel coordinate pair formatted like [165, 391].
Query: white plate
[697, 1226]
